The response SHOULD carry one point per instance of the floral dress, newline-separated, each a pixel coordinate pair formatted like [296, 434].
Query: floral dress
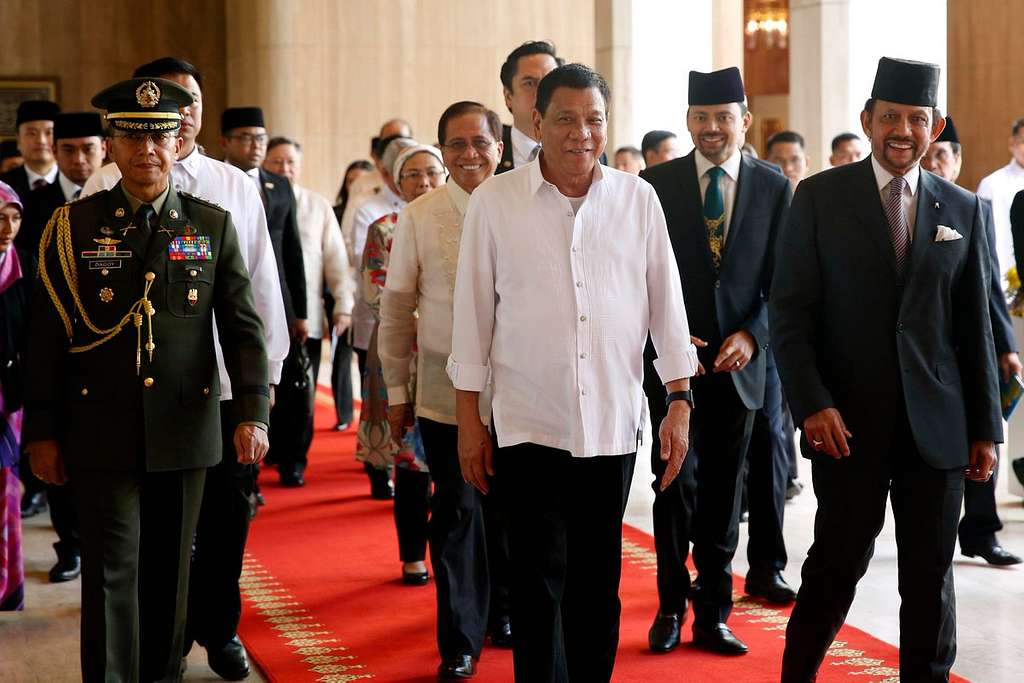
[374, 445]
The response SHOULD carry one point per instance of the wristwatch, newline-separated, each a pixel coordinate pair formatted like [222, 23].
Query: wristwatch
[680, 396]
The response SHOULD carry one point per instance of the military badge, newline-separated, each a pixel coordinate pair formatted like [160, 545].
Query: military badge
[190, 248]
[106, 241]
[106, 295]
[119, 213]
[193, 296]
[147, 95]
[173, 213]
[167, 231]
[268, 185]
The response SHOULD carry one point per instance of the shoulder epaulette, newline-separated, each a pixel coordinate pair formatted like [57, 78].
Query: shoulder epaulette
[89, 197]
[200, 200]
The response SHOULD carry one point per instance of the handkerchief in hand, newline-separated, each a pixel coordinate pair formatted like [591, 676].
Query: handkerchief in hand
[947, 234]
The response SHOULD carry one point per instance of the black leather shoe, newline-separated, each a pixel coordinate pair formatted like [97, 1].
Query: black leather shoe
[993, 554]
[229, 661]
[719, 638]
[33, 504]
[292, 478]
[456, 667]
[793, 489]
[380, 483]
[664, 633]
[501, 632]
[415, 578]
[68, 568]
[1018, 469]
[772, 587]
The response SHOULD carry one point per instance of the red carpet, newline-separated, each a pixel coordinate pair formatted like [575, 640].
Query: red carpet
[323, 599]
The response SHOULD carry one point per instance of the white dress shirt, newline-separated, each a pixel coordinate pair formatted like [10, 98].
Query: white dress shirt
[1000, 188]
[380, 204]
[230, 188]
[324, 258]
[364, 187]
[416, 304]
[555, 307]
[50, 176]
[913, 176]
[522, 148]
[727, 182]
[68, 187]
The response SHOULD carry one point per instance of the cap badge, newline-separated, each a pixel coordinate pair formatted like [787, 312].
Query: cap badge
[119, 213]
[148, 94]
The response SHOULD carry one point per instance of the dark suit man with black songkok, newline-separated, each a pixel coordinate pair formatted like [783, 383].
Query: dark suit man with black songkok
[981, 521]
[244, 139]
[133, 418]
[35, 140]
[723, 210]
[880, 321]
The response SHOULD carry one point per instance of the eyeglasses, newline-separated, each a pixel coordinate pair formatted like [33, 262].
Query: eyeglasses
[431, 173]
[159, 139]
[248, 139]
[481, 145]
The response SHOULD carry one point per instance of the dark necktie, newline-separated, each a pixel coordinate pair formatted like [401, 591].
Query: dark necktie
[714, 214]
[76, 195]
[38, 183]
[145, 221]
[899, 230]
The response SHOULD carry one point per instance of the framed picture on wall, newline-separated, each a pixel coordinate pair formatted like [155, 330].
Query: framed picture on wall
[14, 90]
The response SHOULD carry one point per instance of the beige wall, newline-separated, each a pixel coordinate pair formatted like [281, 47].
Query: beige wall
[89, 45]
[330, 74]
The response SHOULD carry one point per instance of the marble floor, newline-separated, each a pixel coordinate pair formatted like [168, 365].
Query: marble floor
[989, 599]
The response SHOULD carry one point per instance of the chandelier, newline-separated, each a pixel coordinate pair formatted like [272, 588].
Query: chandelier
[767, 25]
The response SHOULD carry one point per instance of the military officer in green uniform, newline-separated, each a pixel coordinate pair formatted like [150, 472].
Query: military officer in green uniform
[123, 382]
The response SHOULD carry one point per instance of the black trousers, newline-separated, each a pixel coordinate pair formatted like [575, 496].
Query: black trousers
[64, 517]
[291, 420]
[341, 379]
[458, 546]
[498, 563]
[851, 495]
[767, 478]
[136, 531]
[720, 428]
[981, 519]
[565, 542]
[412, 511]
[215, 601]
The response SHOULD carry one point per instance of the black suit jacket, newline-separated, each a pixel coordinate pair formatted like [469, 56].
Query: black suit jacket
[39, 207]
[733, 299]
[18, 179]
[279, 201]
[507, 162]
[1017, 230]
[850, 333]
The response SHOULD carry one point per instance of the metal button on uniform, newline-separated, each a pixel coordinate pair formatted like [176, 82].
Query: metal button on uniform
[579, 283]
[583, 318]
[150, 276]
[149, 381]
[85, 391]
[193, 272]
[206, 391]
[104, 272]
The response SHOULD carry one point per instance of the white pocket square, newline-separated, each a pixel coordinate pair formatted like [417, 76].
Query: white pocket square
[947, 234]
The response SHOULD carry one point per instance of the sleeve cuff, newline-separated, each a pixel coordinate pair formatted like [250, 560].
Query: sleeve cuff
[274, 371]
[254, 423]
[398, 395]
[675, 366]
[467, 377]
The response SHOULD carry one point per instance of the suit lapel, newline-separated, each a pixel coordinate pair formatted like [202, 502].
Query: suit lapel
[263, 181]
[866, 203]
[925, 226]
[743, 195]
[692, 206]
[506, 153]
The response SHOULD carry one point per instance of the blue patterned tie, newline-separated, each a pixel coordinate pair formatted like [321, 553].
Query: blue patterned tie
[714, 214]
[899, 231]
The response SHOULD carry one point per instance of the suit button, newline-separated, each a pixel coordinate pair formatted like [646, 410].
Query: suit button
[193, 272]
[149, 381]
[206, 391]
[85, 391]
[899, 328]
[718, 283]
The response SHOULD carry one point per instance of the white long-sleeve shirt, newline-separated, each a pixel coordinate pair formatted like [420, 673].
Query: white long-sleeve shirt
[554, 305]
[324, 258]
[228, 187]
[1000, 187]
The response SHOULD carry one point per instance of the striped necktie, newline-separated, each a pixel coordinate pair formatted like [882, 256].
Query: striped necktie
[714, 214]
[899, 230]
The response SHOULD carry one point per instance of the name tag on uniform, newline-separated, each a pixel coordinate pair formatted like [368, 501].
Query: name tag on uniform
[190, 248]
[104, 265]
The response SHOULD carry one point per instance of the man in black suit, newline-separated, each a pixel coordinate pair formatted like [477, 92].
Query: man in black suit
[723, 211]
[34, 122]
[520, 75]
[244, 140]
[981, 521]
[881, 329]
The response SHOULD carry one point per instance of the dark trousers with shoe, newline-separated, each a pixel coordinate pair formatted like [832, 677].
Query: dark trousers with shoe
[291, 420]
[458, 546]
[851, 495]
[215, 601]
[33, 486]
[767, 478]
[720, 432]
[565, 543]
[412, 510]
[64, 517]
[341, 379]
[136, 531]
[498, 564]
[981, 519]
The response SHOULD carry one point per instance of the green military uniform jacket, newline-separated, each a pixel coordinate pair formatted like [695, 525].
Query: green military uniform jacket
[106, 414]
